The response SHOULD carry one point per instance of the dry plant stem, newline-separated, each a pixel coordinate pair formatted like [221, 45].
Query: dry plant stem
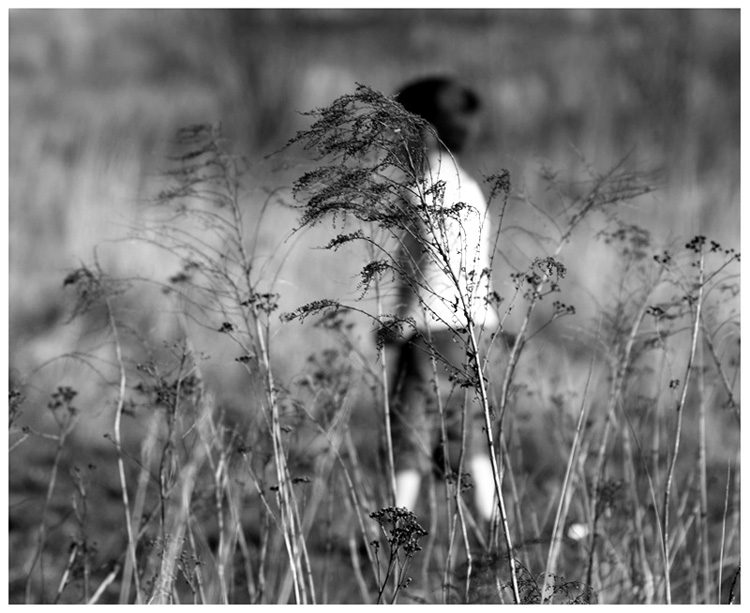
[288, 522]
[378, 577]
[219, 492]
[386, 402]
[429, 548]
[18, 442]
[565, 493]
[147, 453]
[401, 578]
[291, 529]
[722, 375]
[340, 435]
[730, 599]
[361, 583]
[458, 492]
[263, 555]
[683, 529]
[321, 485]
[66, 573]
[304, 555]
[588, 203]
[456, 525]
[724, 530]
[356, 486]
[383, 581]
[265, 533]
[452, 528]
[285, 494]
[706, 559]
[481, 390]
[388, 435]
[507, 476]
[473, 350]
[459, 500]
[649, 469]
[465, 535]
[284, 501]
[42, 534]
[449, 516]
[199, 596]
[515, 350]
[493, 460]
[299, 568]
[252, 589]
[178, 517]
[678, 430]
[118, 445]
[230, 532]
[618, 379]
[105, 584]
[639, 531]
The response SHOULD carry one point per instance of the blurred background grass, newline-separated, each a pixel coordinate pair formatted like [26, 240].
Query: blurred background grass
[96, 97]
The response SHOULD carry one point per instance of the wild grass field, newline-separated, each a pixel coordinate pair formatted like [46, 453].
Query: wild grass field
[197, 391]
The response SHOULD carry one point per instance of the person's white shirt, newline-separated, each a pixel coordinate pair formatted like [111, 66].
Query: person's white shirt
[453, 273]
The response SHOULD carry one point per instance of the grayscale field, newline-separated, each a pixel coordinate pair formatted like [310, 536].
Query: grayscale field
[205, 211]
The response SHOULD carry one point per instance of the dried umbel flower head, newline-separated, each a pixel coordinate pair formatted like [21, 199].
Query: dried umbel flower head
[401, 528]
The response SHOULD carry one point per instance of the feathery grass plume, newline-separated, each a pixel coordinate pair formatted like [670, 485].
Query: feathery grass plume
[220, 289]
[373, 170]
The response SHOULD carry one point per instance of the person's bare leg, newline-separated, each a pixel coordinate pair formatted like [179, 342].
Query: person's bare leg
[407, 488]
[480, 468]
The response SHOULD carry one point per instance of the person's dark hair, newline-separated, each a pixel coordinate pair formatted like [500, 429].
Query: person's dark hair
[449, 106]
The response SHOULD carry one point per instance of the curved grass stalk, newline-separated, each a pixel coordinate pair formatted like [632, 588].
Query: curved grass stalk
[565, 496]
[614, 396]
[38, 558]
[678, 429]
[386, 398]
[118, 446]
[486, 413]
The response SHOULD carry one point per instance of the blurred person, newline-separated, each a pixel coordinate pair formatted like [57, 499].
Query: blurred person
[453, 111]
